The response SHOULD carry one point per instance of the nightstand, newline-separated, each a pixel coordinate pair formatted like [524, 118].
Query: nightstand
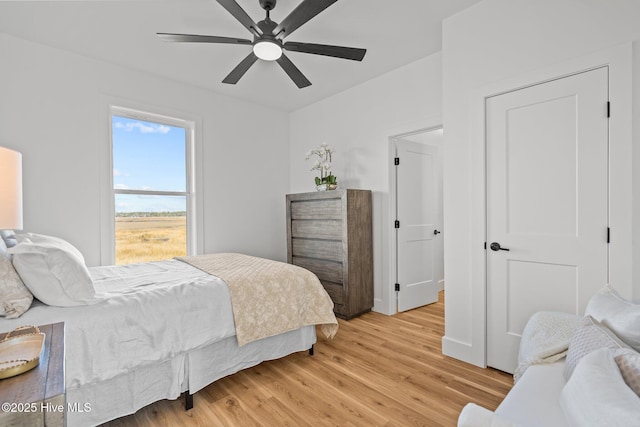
[37, 397]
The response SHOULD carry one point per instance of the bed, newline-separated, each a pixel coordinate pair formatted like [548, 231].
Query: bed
[152, 331]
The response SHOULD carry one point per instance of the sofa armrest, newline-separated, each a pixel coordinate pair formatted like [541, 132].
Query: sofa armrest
[473, 415]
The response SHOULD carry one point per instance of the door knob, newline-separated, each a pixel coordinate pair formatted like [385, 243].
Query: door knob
[436, 232]
[495, 246]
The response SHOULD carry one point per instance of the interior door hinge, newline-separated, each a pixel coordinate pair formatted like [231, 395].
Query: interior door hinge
[397, 287]
[396, 224]
[608, 234]
[396, 161]
[608, 109]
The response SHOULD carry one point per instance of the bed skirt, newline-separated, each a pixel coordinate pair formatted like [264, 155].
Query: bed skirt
[97, 403]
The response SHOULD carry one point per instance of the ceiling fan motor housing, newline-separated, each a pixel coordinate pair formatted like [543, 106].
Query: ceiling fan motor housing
[268, 4]
[266, 26]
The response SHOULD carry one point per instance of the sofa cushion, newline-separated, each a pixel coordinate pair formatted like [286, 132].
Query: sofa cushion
[596, 394]
[591, 335]
[616, 313]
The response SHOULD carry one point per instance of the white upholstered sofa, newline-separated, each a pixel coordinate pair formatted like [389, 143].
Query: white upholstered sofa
[573, 371]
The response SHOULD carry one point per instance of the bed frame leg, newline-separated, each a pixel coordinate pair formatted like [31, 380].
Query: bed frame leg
[188, 400]
[311, 351]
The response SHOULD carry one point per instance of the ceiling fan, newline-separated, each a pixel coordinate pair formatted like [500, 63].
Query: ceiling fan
[268, 39]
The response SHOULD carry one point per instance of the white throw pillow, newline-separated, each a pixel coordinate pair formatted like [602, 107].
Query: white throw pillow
[596, 394]
[15, 298]
[618, 314]
[53, 270]
[591, 335]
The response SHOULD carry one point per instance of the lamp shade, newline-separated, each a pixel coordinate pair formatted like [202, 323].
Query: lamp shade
[10, 189]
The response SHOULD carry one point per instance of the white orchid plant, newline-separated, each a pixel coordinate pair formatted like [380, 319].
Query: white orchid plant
[322, 154]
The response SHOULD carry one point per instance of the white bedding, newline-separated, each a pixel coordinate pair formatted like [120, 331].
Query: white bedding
[136, 324]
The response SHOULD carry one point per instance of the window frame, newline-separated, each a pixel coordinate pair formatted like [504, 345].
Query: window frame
[190, 191]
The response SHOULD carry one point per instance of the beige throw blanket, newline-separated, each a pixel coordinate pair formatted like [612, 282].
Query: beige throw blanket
[269, 297]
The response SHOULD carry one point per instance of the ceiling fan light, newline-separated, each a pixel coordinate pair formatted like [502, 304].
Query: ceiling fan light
[267, 50]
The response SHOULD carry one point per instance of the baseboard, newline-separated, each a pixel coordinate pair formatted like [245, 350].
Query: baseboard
[440, 285]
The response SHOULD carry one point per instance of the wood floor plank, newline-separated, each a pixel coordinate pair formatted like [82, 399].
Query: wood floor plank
[378, 371]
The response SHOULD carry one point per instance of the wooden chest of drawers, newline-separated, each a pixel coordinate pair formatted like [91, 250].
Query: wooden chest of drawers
[330, 234]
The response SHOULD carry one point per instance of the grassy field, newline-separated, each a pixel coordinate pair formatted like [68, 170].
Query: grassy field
[150, 238]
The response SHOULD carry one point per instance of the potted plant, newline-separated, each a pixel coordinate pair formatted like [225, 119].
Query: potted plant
[326, 180]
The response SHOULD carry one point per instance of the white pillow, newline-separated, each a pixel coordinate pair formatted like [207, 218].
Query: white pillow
[53, 270]
[596, 394]
[15, 298]
[618, 314]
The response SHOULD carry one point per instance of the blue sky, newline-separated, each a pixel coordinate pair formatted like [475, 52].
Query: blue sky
[148, 156]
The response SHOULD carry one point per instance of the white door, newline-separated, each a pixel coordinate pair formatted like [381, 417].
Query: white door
[547, 204]
[417, 193]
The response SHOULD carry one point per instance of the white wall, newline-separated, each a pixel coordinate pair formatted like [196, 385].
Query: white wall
[499, 40]
[358, 124]
[52, 106]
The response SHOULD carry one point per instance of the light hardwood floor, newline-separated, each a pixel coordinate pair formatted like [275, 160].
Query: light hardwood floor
[377, 371]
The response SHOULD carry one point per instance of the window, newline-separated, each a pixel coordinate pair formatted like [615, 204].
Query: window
[152, 186]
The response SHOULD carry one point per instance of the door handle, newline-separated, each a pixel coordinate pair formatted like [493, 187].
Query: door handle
[495, 246]
[436, 232]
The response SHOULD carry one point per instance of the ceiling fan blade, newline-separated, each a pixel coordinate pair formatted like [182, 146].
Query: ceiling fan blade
[238, 12]
[300, 15]
[194, 38]
[343, 52]
[296, 75]
[240, 69]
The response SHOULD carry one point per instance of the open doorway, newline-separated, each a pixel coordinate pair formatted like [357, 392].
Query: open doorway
[416, 195]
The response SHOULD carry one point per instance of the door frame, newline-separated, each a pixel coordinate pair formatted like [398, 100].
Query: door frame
[388, 289]
[619, 60]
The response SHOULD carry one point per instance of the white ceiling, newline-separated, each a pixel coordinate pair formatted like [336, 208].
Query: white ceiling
[394, 32]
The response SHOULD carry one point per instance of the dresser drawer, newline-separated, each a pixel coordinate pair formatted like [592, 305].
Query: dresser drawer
[317, 209]
[335, 291]
[322, 249]
[317, 229]
[325, 270]
[340, 310]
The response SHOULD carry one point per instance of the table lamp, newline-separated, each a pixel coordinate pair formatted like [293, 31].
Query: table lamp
[10, 189]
